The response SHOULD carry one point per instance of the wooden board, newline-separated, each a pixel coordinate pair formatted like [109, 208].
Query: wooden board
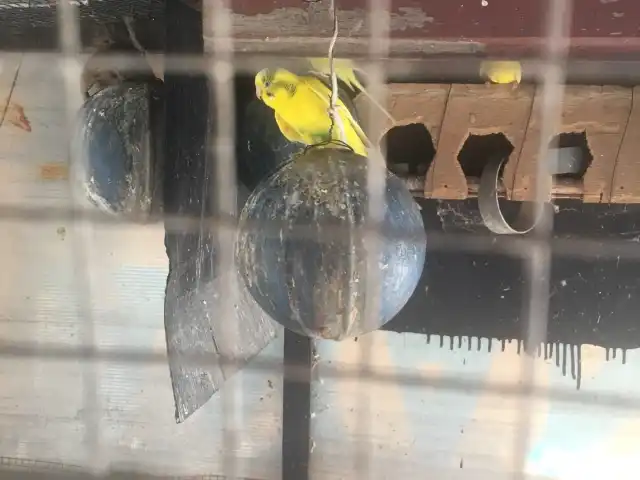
[452, 113]
[626, 178]
[475, 110]
[435, 424]
[46, 286]
[600, 112]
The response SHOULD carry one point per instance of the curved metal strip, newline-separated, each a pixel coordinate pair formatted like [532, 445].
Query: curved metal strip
[489, 206]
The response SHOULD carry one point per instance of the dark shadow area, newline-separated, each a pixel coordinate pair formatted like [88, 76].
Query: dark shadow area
[409, 149]
[479, 149]
[580, 163]
[593, 298]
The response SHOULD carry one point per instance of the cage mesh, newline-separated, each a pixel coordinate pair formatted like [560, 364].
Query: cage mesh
[110, 364]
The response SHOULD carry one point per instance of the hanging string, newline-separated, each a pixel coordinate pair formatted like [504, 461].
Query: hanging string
[336, 121]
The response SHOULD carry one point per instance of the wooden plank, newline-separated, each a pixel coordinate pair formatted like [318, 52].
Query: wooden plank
[600, 111]
[475, 110]
[408, 103]
[43, 410]
[626, 180]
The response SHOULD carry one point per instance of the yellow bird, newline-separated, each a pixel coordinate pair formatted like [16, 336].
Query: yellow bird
[301, 107]
[501, 72]
[345, 71]
[344, 68]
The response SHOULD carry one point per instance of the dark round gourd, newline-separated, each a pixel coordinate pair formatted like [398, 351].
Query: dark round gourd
[113, 160]
[301, 249]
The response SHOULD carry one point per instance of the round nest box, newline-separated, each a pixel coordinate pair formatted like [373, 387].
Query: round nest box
[301, 245]
[113, 152]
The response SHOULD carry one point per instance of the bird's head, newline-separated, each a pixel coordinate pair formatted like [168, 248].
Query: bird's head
[501, 71]
[264, 80]
[270, 83]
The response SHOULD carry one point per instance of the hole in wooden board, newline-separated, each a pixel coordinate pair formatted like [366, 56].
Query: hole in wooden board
[573, 156]
[409, 150]
[477, 151]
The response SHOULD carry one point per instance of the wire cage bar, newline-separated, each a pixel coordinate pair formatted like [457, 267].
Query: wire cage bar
[302, 368]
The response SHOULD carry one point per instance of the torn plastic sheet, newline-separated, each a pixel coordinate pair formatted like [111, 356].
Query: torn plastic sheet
[195, 328]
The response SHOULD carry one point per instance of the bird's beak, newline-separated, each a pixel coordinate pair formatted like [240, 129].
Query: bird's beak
[258, 92]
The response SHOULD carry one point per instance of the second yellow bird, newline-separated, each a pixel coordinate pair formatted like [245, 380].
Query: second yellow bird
[301, 107]
[501, 71]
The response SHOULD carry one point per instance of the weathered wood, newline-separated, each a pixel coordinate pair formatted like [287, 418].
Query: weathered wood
[626, 180]
[407, 103]
[49, 273]
[475, 110]
[599, 111]
[562, 188]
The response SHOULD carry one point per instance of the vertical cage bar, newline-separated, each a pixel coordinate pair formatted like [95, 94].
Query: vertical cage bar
[69, 61]
[217, 14]
[379, 25]
[538, 258]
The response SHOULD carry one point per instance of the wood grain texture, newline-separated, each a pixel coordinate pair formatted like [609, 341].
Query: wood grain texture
[602, 113]
[626, 180]
[424, 428]
[475, 110]
[45, 286]
[407, 103]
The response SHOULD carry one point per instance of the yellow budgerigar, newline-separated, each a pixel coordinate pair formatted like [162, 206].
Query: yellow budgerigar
[345, 71]
[344, 68]
[502, 72]
[301, 106]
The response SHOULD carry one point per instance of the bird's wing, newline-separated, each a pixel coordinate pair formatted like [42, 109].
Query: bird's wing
[324, 93]
[289, 132]
[345, 71]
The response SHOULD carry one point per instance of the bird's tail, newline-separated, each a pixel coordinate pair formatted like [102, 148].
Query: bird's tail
[346, 71]
[378, 105]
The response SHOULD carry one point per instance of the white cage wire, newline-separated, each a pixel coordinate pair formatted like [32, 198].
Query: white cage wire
[220, 63]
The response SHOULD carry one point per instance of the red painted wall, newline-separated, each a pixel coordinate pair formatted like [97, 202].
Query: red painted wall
[504, 26]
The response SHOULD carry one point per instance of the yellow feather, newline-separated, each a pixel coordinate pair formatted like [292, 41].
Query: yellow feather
[344, 68]
[501, 71]
[288, 131]
[301, 105]
[345, 71]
